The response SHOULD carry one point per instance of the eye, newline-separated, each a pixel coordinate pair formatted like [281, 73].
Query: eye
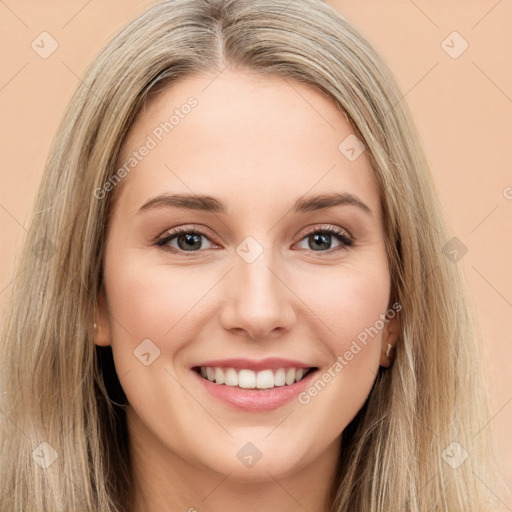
[183, 239]
[321, 239]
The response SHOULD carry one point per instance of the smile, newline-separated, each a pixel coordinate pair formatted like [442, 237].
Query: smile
[250, 379]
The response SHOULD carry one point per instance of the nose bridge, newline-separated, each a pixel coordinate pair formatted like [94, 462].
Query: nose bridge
[259, 302]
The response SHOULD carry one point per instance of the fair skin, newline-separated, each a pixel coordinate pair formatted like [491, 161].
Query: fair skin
[256, 144]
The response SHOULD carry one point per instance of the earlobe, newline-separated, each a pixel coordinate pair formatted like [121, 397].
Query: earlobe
[390, 335]
[101, 324]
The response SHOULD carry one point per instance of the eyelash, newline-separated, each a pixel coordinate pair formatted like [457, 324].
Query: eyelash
[340, 234]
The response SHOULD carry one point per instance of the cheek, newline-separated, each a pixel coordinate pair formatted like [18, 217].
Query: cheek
[150, 300]
[155, 311]
[364, 298]
[351, 303]
[348, 300]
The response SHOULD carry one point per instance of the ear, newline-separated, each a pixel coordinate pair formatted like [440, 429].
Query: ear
[390, 335]
[102, 333]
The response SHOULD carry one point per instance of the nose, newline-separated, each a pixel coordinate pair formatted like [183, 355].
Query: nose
[257, 302]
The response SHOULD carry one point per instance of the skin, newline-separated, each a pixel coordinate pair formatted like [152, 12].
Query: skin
[256, 144]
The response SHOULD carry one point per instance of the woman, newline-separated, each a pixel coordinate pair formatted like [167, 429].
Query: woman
[234, 287]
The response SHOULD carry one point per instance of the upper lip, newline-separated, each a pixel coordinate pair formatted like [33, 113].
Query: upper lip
[270, 363]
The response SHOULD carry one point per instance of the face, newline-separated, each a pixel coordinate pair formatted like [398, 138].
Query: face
[258, 276]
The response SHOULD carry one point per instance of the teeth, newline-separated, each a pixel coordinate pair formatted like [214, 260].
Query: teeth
[210, 373]
[249, 379]
[265, 379]
[246, 379]
[219, 376]
[280, 377]
[231, 377]
[290, 376]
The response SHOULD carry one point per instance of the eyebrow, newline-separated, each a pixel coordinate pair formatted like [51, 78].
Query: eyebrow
[211, 204]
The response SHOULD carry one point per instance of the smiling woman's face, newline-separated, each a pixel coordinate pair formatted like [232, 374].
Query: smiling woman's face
[265, 277]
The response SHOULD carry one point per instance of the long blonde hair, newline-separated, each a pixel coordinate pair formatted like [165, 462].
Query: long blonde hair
[61, 396]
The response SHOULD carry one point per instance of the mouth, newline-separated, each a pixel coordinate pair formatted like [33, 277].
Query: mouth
[244, 378]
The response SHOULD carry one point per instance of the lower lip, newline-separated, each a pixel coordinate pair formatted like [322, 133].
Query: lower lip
[256, 399]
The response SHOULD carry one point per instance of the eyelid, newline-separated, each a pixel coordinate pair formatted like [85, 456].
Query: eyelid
[329, 228]
[169, 234]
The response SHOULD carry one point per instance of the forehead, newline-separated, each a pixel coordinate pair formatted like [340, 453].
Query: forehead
[250, 140]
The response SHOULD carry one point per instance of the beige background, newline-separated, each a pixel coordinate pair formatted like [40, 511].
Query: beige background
[463, 108]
